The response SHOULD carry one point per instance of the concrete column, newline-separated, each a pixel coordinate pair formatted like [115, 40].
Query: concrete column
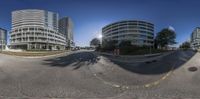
[47, 46]
[35, 46]
[28, 47]
[40, 46]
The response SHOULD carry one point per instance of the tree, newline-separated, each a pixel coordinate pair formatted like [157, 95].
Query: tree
[165, 37]
[185, 45]
[125, 44]
[155, 44]
[108, 45]
[95, 42]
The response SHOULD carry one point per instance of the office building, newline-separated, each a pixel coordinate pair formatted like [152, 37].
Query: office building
[34, 29]
[66, 28]
[3, 38]
[195, 38]
[139, 33]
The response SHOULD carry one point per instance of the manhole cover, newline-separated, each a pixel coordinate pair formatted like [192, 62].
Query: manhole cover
[192, 69]
[154, 60]
[148, 62]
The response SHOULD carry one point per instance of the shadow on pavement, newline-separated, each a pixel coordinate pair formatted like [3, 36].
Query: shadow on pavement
[165, 64]
[76, 59]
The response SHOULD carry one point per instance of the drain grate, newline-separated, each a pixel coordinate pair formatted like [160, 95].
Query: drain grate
[192, 69]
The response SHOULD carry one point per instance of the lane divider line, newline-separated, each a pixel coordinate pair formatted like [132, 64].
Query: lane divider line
[148, 85]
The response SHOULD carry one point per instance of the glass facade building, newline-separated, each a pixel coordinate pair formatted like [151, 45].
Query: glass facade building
[66, 28]
[3, 38]
[140, 33]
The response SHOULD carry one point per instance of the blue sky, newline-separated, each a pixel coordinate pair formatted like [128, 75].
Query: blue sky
[89, 16]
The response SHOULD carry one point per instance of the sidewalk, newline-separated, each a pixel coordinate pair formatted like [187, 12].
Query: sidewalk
[135, 58]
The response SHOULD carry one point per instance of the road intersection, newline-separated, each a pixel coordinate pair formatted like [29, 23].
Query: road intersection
[85, 74]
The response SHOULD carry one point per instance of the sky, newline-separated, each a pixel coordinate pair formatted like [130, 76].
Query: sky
[89, 16]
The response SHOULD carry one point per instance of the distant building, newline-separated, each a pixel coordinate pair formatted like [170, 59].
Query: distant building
[140, 33]
[3, 38]
[34, 29]
[66, 28]
[195, 38]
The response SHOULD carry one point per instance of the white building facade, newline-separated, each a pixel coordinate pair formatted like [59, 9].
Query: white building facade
[140, 33]
[34, 29]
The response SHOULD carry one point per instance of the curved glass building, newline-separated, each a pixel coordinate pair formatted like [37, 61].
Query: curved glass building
[34, 29]
[140, 33]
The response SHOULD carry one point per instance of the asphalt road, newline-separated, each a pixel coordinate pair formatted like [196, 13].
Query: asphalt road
[85, 74]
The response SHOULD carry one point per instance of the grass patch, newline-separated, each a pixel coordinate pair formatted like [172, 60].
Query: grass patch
[33, 53]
